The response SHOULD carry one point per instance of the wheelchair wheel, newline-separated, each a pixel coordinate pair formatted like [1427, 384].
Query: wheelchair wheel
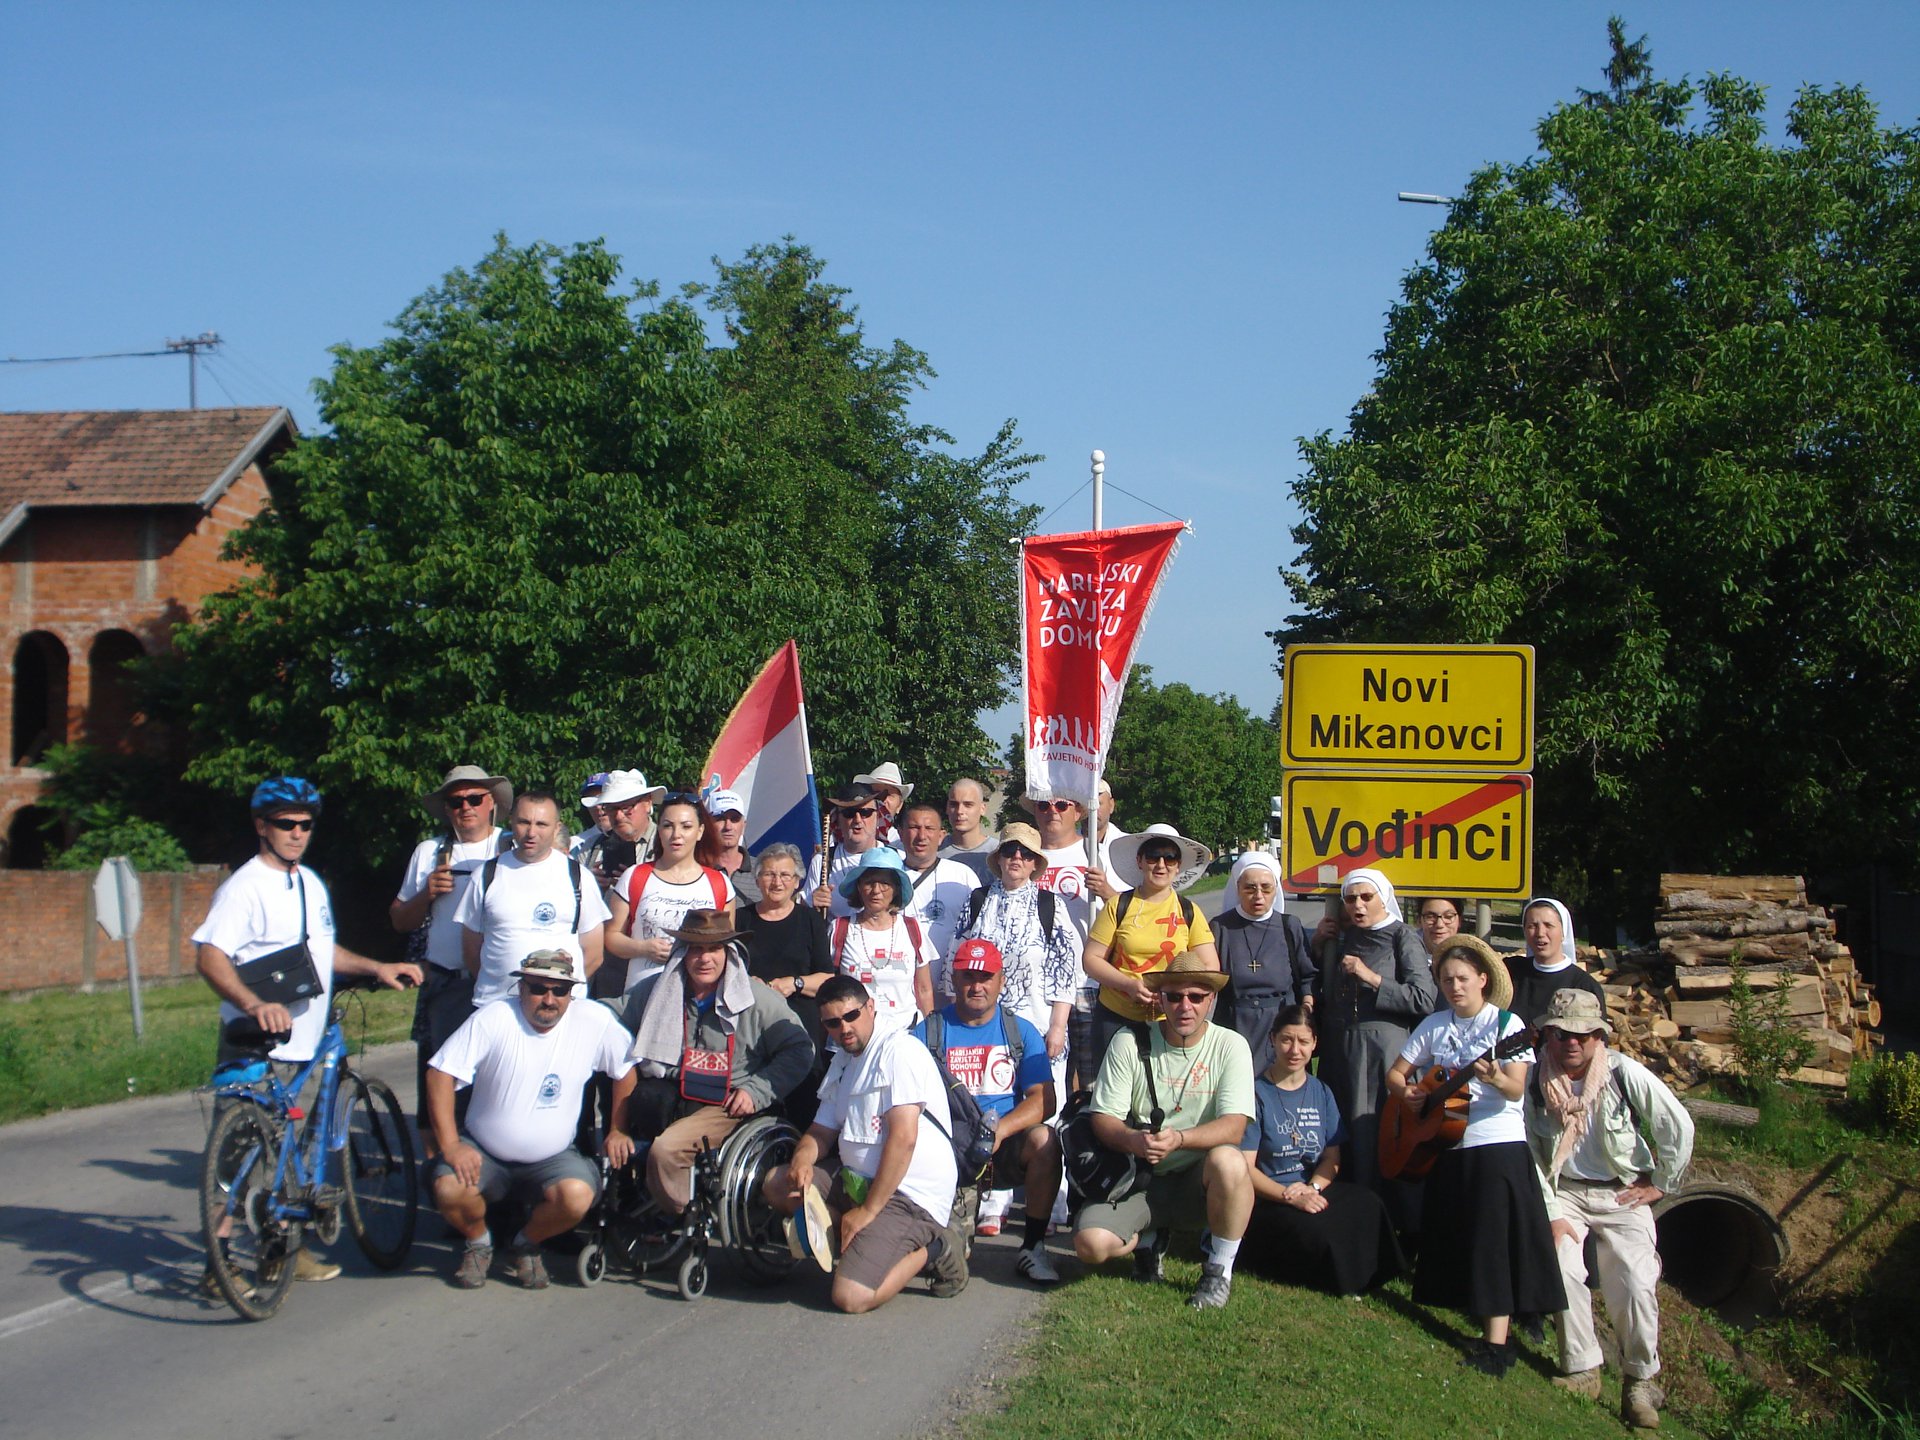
[252, 1267]
[590, 1266]
[693, 1274]
[747, 1222]
[381, 1177]
[634, 1231]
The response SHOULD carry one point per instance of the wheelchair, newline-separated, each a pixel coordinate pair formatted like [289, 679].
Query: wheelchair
[627, 1227]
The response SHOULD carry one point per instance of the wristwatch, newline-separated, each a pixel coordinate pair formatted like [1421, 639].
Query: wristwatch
[799, 984]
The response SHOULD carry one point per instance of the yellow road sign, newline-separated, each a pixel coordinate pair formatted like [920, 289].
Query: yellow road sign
[1458, 835]
[1408, 707]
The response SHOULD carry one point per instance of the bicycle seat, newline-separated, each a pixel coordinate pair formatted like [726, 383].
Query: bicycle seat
[239, 1071]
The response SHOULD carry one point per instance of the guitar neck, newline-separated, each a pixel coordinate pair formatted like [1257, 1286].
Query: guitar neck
[1521, 1039]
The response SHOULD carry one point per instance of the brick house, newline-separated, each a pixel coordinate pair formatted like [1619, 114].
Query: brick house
[111, 524]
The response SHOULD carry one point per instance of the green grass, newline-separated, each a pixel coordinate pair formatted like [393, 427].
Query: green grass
[60, 1050]
[1114, 1359]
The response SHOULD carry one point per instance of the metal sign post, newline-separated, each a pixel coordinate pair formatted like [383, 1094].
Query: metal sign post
[116, 901]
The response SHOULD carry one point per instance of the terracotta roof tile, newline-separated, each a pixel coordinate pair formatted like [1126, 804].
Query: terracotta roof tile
[129, 457]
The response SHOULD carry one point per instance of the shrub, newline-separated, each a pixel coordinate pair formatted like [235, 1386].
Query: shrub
[1767, 1045]
[1886, 1093]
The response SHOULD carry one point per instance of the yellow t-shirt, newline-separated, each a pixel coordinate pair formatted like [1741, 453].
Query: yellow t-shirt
[1155, 932]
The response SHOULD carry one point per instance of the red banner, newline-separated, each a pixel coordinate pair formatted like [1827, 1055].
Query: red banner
[1083, 606]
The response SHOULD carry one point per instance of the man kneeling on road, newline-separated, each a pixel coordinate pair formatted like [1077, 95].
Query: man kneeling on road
[1002, 1060]
[1196, 1087]
[528, 1058]
[884, 1105]
[713, 1046]
[1609, 1139]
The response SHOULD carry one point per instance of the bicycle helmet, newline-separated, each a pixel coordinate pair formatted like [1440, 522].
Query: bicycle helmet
[285, 792]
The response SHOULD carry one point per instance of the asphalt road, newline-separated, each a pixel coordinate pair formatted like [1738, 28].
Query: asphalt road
[102, 1331]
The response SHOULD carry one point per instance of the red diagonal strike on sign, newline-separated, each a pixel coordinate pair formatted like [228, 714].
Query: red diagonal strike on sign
[1467, 806]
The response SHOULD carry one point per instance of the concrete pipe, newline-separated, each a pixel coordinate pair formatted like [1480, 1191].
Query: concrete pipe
[1721, 1248]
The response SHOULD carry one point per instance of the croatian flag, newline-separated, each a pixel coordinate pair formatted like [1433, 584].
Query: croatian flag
[762, 753]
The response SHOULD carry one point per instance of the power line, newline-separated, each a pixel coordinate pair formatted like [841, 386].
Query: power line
[191, 346]
[76, 359]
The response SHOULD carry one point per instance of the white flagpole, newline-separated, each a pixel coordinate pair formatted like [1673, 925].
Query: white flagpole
[1099, 459]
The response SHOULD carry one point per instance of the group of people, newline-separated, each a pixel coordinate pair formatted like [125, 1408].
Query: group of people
[647, 985]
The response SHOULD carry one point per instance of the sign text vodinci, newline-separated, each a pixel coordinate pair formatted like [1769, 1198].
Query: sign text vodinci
[1408, 707]
[1429, 834]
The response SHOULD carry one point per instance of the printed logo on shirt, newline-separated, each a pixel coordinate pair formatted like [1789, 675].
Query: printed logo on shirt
[983, 1069]
[549, 1092]
[544, 913]
[326, 917]
[1067, 881]
[934, 909]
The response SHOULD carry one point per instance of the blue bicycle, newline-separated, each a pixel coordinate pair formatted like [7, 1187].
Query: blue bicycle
[274, 1170]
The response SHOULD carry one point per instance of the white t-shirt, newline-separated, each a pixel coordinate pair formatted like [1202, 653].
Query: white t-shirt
[663, 909]
[884, 961]
[256, 911]
[527, 908]
[894, 1069]
[443, 936]
[845, 862]
[1446, 1039]
[940, 901]
[527, 1085]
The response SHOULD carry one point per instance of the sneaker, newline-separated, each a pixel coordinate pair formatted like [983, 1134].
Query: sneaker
[1488, 1359]
[210, 1286]
[1149, 1261]
[1584, 1383]
[1037, 1266]
[1640, 1404]
[529, 1269]
[310, 1267]
[475, 1261]
[947, 1263]
[988, 1227]
[1212, 1291]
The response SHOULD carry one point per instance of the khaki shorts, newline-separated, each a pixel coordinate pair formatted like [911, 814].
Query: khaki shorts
[1170, 1202]
[900, 1228]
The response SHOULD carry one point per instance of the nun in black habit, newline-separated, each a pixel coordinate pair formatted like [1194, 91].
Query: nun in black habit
[1265, 952]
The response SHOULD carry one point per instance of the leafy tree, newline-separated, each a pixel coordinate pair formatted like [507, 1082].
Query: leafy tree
[1201, 763]
[550, 527]
[132, 805]
[1650, 405]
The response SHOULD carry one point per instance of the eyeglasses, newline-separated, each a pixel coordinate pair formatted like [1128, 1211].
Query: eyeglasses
[785, 877]
[684, 797]
[840, 1022]
[1052, 804]
[1158, 859]
[1554, 1036]
[865, 812]
[1186, 997]
[1014, 852]
[1435, 917]
[472, 799]
[286, 826]
[557, 987]
[628, 804]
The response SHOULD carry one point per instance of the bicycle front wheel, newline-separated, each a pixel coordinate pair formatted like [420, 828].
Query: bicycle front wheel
[382, 1177]
[252, 1262]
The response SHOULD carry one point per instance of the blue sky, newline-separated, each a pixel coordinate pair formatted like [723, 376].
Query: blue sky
[1166, 231]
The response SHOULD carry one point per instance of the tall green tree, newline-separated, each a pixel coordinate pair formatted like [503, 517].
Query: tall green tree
[1650, 405]
[550, 526]
[1202, 763]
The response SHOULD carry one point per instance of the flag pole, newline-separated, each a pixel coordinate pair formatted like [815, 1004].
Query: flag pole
[1099, 459]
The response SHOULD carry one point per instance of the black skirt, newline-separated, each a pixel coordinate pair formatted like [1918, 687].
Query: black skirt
[1346, 1249]
[1486, 1246]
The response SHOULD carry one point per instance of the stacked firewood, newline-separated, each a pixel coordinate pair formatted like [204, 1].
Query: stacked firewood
[1670, 1005]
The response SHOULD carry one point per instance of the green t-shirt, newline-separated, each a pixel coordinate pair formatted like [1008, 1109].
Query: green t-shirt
[1199, 1083]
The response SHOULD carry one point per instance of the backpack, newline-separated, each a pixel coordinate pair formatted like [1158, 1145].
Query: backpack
[976, 902]
[840, 935]
[492, 867]
[1095, 1173]
[638, 887]
[1126, 899]
[975, 1130]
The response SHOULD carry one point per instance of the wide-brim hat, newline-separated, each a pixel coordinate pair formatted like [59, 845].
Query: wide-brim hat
[1575, 1011]
[887, 774]
[703, 929]
[810, 1230]
[435, 801]
[547, 965]
[1187, 968]
[1499, 982]
[1018, 833]
[851, 795]
[1124, 855]
[625, 785]
[879, 858]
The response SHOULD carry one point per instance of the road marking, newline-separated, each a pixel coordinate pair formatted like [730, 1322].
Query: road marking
[90, 1295]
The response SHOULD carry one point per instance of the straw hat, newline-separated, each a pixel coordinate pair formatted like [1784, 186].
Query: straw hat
[435, 802]
[1186, 968]
[1484, 959]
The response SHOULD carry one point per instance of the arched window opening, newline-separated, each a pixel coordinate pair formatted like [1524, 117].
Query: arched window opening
[112, 701]
[39, 696]
[27, 838]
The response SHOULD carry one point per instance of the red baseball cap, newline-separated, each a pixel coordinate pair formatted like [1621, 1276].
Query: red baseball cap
[982, 955]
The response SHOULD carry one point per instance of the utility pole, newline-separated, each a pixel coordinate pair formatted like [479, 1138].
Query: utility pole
[205, 340]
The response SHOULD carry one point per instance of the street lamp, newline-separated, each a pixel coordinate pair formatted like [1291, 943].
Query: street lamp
[1414, 197]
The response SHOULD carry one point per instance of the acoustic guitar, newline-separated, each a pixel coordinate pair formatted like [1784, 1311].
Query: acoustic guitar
[1411, 1140]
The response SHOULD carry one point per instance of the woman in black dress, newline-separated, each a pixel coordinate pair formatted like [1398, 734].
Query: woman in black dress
[1265, 953]
[787, 947]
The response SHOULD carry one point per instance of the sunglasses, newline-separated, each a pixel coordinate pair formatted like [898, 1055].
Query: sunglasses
[286, 826]
[1052, 804]
[540, 987]
[1188, 997]
[472, 800]
[837, 1023]
[1550, 1036]
[1159, 859]
[865, 812]
[1014, 852]
[684, 797]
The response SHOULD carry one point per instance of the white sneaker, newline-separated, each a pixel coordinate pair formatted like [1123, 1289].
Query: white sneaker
[1037, 1266]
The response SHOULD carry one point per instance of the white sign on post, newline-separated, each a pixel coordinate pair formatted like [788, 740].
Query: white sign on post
[116, 903]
